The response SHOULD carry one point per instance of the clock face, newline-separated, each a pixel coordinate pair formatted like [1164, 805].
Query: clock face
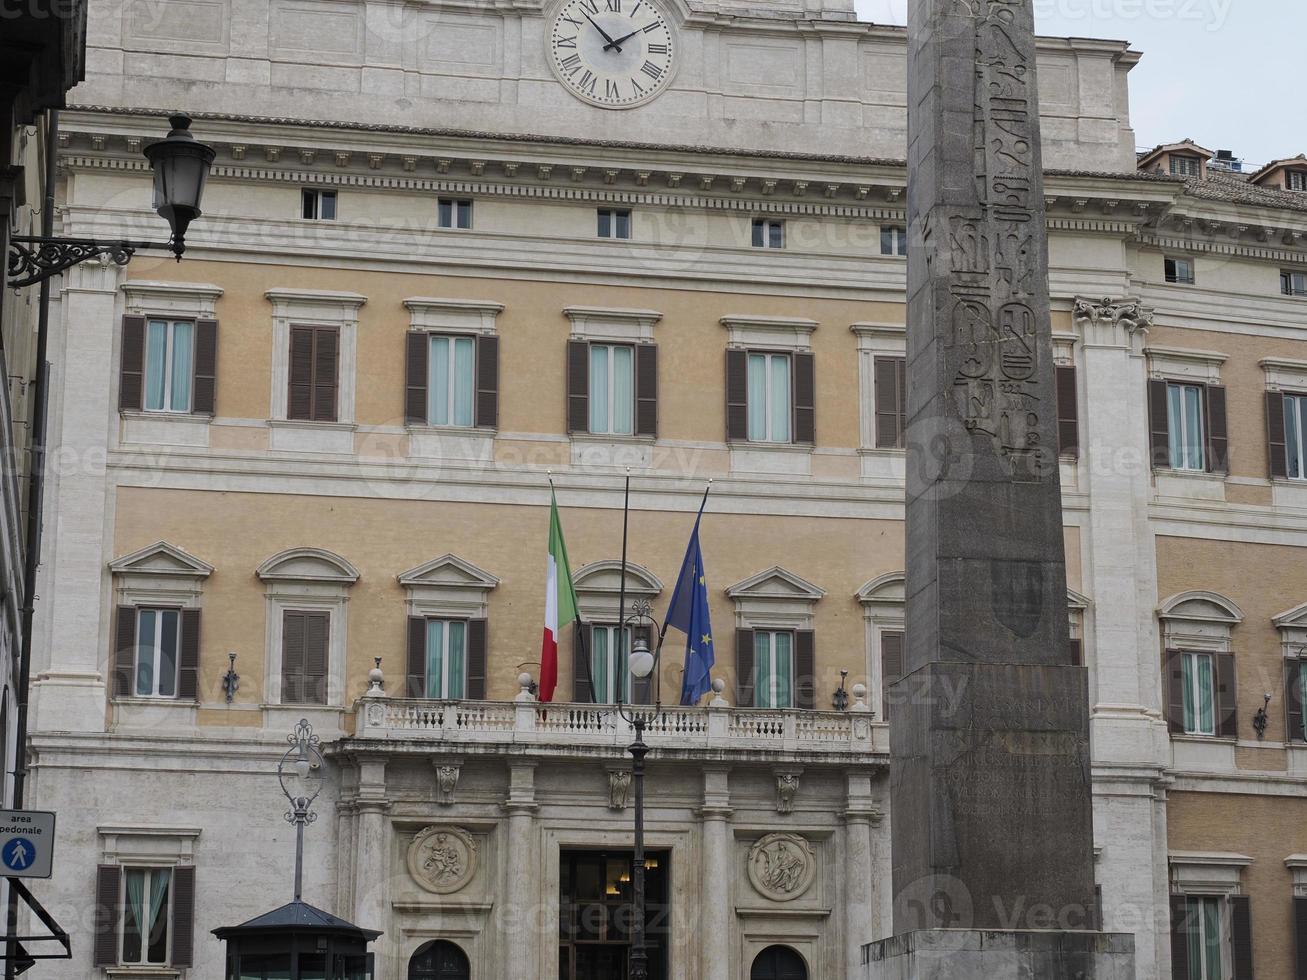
[612, 53]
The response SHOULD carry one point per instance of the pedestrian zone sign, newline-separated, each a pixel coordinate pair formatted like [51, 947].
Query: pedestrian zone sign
[26, 843]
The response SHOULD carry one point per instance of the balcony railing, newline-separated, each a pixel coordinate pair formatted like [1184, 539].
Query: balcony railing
[667, 727]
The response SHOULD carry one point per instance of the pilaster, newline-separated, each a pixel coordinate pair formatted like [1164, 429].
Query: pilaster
[522, 913]
[717, 919]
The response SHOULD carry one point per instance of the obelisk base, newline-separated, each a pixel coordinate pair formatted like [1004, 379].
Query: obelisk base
[969, 954]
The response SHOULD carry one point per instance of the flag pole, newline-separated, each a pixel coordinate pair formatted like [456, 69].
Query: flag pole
[623, 653]
[579, 647]
[662, 634]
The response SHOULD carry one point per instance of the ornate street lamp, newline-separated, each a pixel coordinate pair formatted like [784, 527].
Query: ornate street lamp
[181, 167]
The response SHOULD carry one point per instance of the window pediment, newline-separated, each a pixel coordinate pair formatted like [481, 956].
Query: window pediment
[887, 589]
[606, 577]
[776, 583]
[448, 571]
[161, 559]
[308, 565]
[1201, 607]
[448, 586]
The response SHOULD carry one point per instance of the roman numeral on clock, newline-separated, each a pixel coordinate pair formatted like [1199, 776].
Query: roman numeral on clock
[657, 49]
[610, 89]
[565, 42]
[615, 6]
[653, 27]
[589, 81]
[591, 5]
[652, 70]
[571, 64]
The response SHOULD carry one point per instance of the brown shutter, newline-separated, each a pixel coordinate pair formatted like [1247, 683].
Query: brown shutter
[1173, 668]
[299, 392]
[188, 660]
[578, 386]
[1241, 936]
[642, 687]
[124, 652]
[317, 636]
[1293, 706]
[416, 350]
[1180, 926]
[1300, 936]
[131, 373]
[416, 681]
[1068, 412]
[1218, 437]
[737, 394]
[1075, 652]
[475, 689]
[487, 404]
[646, 390]
[582, 692]
[1159, 427]
[890, 399]
[1276, 442]
[204, 390]
[326, 365]
[744, 664]
[1227, 696]
[108, 908]
[805, 670]
[891, 667]
[292, 657]
[183, 916]
[805, 398]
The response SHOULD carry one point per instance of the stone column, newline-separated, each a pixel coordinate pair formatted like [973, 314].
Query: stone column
[862, 921]
[372, 861]
[716, 924]
[521, 934]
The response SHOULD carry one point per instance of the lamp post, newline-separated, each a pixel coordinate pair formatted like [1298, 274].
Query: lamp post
[300, 775]
[181, 167]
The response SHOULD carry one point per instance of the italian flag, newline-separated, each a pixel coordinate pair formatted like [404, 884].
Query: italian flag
[560, 602]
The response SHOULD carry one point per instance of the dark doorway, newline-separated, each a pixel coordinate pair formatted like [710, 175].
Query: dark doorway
[779, 963]
[439, 960]
[595, 909]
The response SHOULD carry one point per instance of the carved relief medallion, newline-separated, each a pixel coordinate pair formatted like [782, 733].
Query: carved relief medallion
[442, 859]
[782, 866]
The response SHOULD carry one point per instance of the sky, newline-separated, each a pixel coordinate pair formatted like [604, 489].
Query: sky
[1224, 73]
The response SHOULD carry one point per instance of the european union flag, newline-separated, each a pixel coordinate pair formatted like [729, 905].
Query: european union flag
[688, 612]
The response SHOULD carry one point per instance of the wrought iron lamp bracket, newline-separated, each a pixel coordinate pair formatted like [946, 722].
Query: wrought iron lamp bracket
[33, 259]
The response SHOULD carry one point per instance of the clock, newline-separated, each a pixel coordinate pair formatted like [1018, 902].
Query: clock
[615, 54]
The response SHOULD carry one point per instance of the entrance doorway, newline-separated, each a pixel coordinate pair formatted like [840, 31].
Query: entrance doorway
[779, 963]
[439, 960]
[595, 909]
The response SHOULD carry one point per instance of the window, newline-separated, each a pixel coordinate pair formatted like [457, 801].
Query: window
[769, 397]
[608, 659]
[773, 670]
[1199, 679]
[1295, 700]
[312, 373]
[147, 908]
[1295, 436]
[446, 652]
[446, 658]
[1180, 271]
[318, 205]
[1186, 166]
[1206, 939]
[612, 389]
[1295, 180]
[451, 380]
[1293, 283]
[891, 402]
[614, 223]
[454, 212]
[305, 639]
[768, 233]
[158, 642]
[595, 910]
[1185, 422]
[893, 241]
[169, 365]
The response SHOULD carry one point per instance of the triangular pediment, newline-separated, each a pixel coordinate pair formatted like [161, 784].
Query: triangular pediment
[888, 588]
[161, 558]
[308, 565]
[606, 576]
[449, 571]
[775, 583]
[1295, 618]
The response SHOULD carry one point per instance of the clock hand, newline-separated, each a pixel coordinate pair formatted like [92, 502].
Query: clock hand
[611, 42]
[624, 37]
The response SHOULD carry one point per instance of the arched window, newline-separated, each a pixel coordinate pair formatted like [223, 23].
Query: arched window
[439, 960]
[779, 963]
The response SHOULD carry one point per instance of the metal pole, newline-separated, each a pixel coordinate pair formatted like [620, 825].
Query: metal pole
[622, 646]
[299, 851]
[639, 958]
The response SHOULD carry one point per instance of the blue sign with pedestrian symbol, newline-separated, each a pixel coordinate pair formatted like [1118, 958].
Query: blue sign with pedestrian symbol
[19, 854]
[26, 843]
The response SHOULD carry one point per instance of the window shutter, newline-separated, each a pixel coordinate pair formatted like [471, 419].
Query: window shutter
[1300, 935]
[891, 667]
[737, 394]
[108, 891]
[646, 390]
[890, 399]
[188, 659]
[1179, 938]
[1076, 652]
[578, 386]
[1068, 412]
[487, 404]
[744, 663]
[1227, 696]
[1293, 706]
[131, 373]
[805, 398]
[805, 670]
[475, 688]
[1241, 936]
[417, 348]
[416, 682]
[642, 687]
[292, 657]
[1218, 436]
[1275, 437]
[205, 387]
[1159, 427]
[124, 652]
[183, 916]
[1174, 670]
[317, 636]
[299, 392]
[582, 692]
[326, 366]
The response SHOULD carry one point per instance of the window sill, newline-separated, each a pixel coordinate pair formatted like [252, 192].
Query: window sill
[883, 464]
[774, 458]
[612, 450]
[1290, 493]
[141, 972]
[1203, 753]
[451, 442]
[136, 712]
[305, 436]
[165, 429]
[1190, 484]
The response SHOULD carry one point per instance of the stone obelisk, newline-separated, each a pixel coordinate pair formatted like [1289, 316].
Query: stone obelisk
[990, 776]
